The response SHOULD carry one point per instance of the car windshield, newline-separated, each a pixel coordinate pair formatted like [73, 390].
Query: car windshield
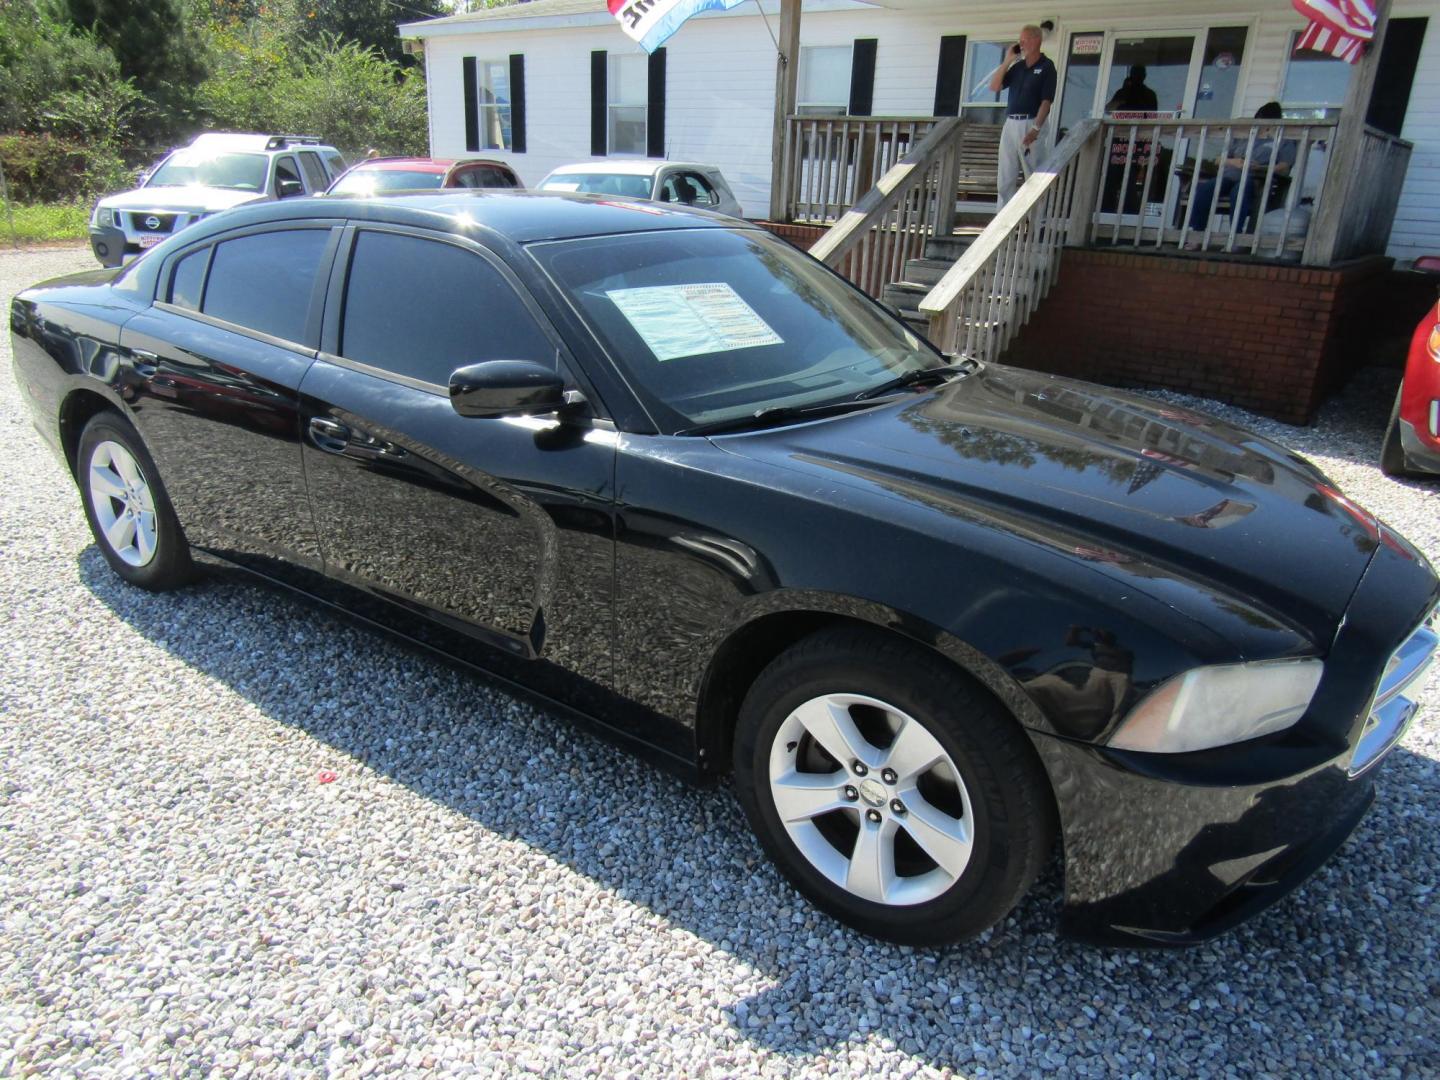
[711, 325]
[243, 172]
[600, 183]
[370, 181]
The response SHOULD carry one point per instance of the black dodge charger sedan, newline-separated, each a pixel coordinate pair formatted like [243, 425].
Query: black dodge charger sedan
[664, 471]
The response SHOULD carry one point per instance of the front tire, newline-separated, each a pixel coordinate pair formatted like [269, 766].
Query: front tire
[890, 788]
[1392, 454]
[126, 505]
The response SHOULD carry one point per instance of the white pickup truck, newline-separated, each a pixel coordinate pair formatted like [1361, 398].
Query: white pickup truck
[215, 172]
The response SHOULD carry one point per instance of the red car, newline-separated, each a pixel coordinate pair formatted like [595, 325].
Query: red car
[1412, 441]
[379, 175]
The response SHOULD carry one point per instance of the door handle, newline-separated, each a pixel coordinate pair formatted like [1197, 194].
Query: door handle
[145, 362]
[329, 434]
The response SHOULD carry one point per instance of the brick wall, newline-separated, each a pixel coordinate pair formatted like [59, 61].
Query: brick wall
[1272, 339]
[802, 236]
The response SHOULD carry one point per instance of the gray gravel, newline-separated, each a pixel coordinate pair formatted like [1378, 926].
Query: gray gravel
[484, 889]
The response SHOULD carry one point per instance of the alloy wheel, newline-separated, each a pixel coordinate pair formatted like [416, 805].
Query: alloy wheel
[123, 503]
[871, 799]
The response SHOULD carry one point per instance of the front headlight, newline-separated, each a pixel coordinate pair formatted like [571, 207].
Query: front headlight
[1215, 706]
[103, 217]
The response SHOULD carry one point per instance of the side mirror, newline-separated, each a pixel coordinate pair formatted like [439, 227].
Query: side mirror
[506, 388]
[285, 189]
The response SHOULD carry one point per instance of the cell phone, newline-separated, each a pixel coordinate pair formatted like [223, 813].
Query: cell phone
[1015, 49]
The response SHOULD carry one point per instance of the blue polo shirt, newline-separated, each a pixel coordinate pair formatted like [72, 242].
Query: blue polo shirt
[1029, 86]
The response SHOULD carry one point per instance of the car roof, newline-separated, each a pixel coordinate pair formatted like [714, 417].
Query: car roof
[522, 216]
[627, 167]
[409, 164]
[226, 140]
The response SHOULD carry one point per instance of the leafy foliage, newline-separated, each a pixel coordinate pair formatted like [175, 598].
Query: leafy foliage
[93, 88]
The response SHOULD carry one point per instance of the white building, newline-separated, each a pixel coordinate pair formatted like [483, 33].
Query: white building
[555, 81]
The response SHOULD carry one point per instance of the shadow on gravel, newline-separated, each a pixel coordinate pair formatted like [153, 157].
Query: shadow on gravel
[1281, 994]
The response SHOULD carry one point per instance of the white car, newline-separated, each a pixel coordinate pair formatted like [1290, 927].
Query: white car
[683, 182]
[215, 172]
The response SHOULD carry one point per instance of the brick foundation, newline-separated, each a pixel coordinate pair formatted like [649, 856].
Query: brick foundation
[1272, 339]
[802, 236]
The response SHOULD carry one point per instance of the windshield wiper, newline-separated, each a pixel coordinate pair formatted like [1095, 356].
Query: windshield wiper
[934, 376]
[776, 414]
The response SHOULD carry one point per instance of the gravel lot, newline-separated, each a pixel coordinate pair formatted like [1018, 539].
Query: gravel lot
[484, 889]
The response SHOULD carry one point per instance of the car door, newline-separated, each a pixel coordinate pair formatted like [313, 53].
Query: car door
[219, 357]
[498, 528]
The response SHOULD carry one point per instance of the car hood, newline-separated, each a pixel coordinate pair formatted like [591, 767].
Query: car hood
[186, 199]
[1161, 495]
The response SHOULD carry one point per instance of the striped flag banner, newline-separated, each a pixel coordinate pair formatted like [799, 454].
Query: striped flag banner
[650, 22]
[1341, 28]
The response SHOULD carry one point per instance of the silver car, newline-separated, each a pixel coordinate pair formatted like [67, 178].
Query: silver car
[683, 182]
[215, 172]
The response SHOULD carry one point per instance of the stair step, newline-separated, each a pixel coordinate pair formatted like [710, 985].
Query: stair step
[951, 247]
[927, 271]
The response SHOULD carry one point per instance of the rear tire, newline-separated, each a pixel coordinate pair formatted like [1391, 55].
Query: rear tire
[948, 818]
[126, 505]
[1392, 454]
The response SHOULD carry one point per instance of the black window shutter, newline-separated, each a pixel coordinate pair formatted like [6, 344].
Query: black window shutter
[655, 114]
[950, 75]
[599, 101]
[1399, 60]
[517, 102]
[472, 105]
[862, 76]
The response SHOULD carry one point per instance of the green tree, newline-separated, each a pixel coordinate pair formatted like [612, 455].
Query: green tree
[158, 50]
[369, 23]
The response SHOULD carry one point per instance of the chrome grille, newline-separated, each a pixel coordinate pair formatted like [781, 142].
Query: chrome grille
[1396, 701]
[140, 221]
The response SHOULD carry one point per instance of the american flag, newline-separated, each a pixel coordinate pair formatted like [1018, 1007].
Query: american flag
[1341, 28]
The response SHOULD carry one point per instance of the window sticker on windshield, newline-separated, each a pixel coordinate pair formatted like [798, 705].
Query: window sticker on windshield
[688, 320]
[563, 185]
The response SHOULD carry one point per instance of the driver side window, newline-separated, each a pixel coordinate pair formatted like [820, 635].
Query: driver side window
[401, 312]
[688, 189]
[287, 172]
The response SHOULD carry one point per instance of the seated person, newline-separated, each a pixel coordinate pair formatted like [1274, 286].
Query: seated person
[1282, 150]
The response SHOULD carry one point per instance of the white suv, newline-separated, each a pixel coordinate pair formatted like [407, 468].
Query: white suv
[215, 172]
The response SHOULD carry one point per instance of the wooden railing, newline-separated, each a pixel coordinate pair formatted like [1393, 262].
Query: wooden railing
[1004, 274]
[912, 202]
[1365, 224]
[832, 161]
[1177, 184]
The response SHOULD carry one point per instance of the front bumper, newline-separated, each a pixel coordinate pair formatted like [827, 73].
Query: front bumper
[1420, 453]
[1175, 849]
[108, 244]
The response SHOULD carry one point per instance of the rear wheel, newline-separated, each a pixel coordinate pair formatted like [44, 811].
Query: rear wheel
[125, 502]
[890, 788]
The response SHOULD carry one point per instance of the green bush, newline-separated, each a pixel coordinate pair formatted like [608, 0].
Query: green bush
[43, 168]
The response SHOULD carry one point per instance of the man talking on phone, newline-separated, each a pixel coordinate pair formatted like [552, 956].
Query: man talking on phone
[1029, 76]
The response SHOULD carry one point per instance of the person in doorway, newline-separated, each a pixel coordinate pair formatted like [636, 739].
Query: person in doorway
[1133, 95]
[1029, 76]
[1232, 170]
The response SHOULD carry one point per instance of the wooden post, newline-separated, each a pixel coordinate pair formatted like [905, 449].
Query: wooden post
[787, 72]
[1338, 193]
[1089, 168]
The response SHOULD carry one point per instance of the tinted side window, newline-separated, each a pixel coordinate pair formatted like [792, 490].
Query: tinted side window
[336, 163]
[314, 171]
[264, 281]
[423, 308]
[189, 278]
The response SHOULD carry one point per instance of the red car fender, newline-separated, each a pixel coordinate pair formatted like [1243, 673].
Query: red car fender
[1422, 378]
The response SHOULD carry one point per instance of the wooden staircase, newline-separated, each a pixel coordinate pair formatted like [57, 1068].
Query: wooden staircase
[940, 254]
